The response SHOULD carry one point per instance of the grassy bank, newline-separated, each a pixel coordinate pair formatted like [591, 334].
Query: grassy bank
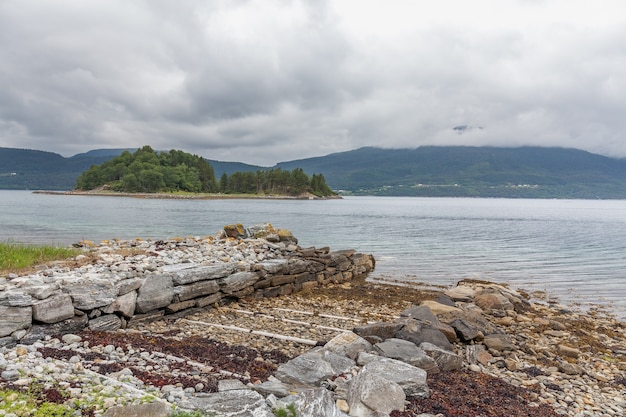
[16, 256]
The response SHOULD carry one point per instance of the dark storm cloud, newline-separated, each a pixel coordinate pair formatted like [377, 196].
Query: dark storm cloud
[271, 80]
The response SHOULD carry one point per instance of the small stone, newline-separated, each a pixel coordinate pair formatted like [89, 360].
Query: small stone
[474, 368]
[69, 339]
[568, 351]
[10, 375]
[343, 406]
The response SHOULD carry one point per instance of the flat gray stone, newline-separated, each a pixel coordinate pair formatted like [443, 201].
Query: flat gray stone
[155, 409]
[237, 281]
[230, 385]
[411, 379]
[108, 322]
[196, 290]
[156, 292]
[381, 330]
[316, 402]
[348, 344]
[407, 352]
[14, 318]
[421, 313]
[275, 266]
[124, 304]
[276, 388]
[237, 403]
[313, 367]
[372, 394]
[15, 298]
[89, 294]
[41, 292]
[183, 274]
[445, 359]
[128, 285]
[53, 309]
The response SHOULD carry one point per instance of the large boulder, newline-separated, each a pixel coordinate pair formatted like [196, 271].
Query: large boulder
[407, 352]
[445, 359]
[14, 318]
[236, 231]
[411, 379]
[348, 344]
[372, 394]
[53, 309]
[419, 332]
[313, 367]
[156, 292]
[124, 304]
[90, 294]
[316, 402]
[492, 300]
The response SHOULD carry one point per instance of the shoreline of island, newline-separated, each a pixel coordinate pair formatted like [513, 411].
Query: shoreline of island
[187, 196]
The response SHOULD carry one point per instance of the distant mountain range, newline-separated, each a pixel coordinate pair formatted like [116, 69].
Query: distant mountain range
[530, 172]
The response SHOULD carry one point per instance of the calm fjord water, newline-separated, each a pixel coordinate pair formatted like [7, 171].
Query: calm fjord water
[574, 250]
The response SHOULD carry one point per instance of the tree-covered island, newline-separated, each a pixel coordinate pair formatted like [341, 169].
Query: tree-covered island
[149, 171]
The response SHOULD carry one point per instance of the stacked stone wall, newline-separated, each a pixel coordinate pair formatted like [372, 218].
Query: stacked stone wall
[52, 302]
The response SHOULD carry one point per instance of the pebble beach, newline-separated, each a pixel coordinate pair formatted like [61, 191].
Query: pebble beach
[570, 362]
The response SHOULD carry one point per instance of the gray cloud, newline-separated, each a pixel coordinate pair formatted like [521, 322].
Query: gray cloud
[263, 81]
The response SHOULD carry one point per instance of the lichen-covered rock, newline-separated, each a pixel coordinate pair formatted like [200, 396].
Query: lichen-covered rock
[236, 231]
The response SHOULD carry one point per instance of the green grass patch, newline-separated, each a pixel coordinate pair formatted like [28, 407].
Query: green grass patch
[16, 256]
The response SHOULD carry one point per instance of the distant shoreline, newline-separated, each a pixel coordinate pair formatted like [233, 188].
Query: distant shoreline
[189, 196]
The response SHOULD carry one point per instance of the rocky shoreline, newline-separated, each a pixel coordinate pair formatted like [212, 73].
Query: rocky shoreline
[307, 330]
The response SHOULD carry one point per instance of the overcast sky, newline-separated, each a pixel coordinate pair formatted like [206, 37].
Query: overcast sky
[264, 81]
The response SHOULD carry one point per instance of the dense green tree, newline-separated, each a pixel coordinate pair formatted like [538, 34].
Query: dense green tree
[224, 183]
[149, 171]
[275, 182]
